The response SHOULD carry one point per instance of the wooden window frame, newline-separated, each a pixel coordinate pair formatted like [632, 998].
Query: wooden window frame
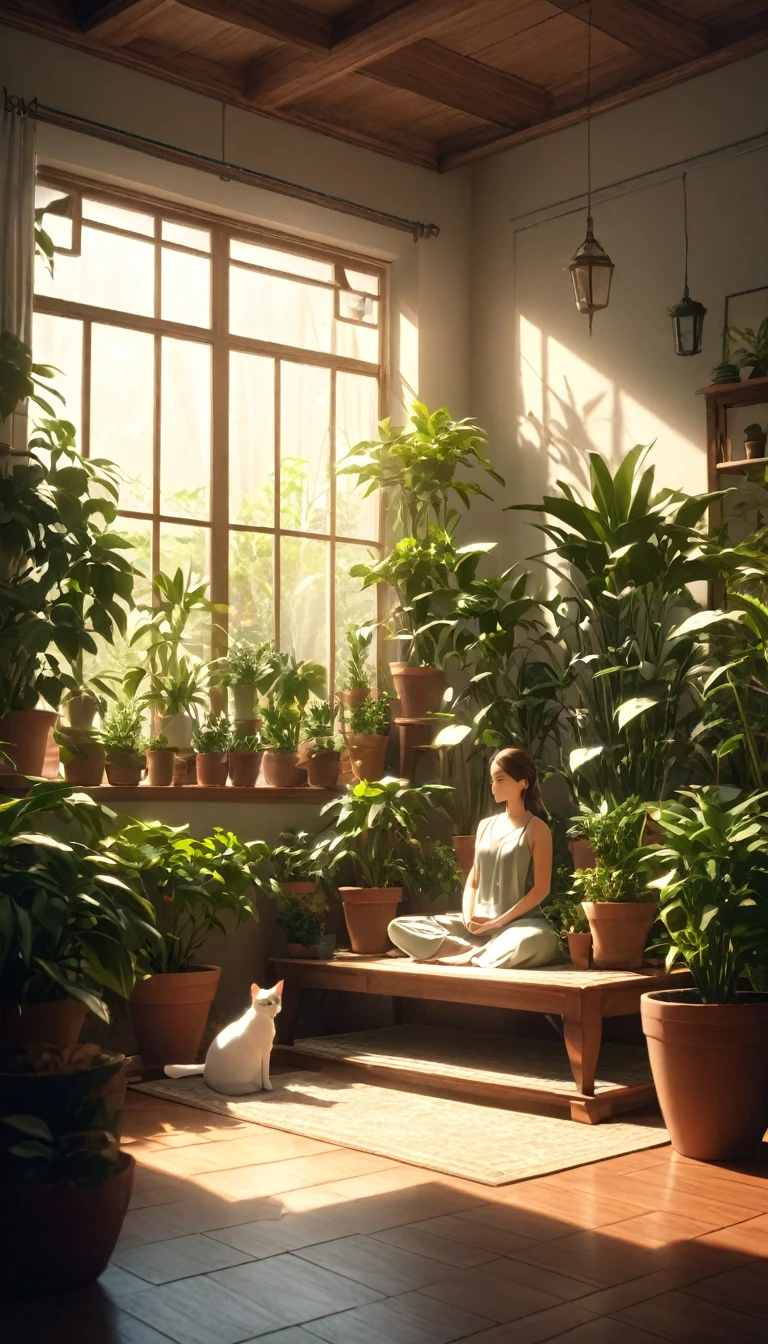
[221, 342]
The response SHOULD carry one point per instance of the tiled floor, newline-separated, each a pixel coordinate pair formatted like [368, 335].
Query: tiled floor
[238, 1234]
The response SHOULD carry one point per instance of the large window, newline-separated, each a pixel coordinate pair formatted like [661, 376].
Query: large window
[226, 372]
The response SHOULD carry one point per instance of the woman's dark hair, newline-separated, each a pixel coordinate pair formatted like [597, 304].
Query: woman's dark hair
[519, 764]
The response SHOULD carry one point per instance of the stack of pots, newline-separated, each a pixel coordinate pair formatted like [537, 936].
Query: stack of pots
[83, 756]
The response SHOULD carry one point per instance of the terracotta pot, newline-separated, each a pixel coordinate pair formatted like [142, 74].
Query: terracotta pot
[212, 769]
[177, 730]
[369, 911]
[86, 765]
[82, 710]
[125, 770]
[582, 853]
[710, 1068]
[580, 948]
[464, 849]
[59, 1237]
[367, 752]
[58, 1023]
[245, 702]
[169, 1013]
[352, 699]
[299, 888]
[420, 689]
[323, 769]
[754, 448]
[280, 770]
[619, 931]
[299, 950]
[160, 768]
[185, 768]
[244, 768]
[24, 734]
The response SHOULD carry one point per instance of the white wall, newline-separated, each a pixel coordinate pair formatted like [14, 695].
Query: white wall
[543, 391]
[429, 281]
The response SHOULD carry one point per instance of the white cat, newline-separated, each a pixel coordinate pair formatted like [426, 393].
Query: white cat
[238, 1059]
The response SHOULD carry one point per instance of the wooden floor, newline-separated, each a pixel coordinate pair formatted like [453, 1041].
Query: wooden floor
[238, 1233]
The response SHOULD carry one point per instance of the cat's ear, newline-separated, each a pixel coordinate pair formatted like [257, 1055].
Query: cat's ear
[254, 991]
[279, 987]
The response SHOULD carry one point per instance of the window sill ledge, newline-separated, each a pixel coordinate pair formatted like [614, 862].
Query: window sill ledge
[193, 793]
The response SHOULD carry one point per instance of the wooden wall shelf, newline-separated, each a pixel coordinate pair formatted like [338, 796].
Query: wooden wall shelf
[742, 464]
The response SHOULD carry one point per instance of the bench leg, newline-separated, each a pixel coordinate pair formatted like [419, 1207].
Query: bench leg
[288, 1017]
[583, 1030]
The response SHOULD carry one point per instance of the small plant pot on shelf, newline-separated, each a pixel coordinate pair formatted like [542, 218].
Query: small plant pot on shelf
[353, 699]
[580, 949]
[59, 1023]
[619, 931]
[160, 768]
[212, 769]
[82, 756]
[300, 951]
[185, 768]
[323, 769]
[24, 734]
[367, 753]
[125, 770]
[169, 1013]
[419, 689]
[245, 704]
[177, 730]
[464, 849]
[754, 448]
[281, 771]
[369, 911]
[244, 768]
[82, 710]
[710, 1069]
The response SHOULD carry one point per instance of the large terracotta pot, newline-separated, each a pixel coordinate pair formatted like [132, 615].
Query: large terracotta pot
[352, 699]
[24, 734]
[212, 769]
[420, 689]
[169, 1013]
[85, 765]
[323, 769]
[59, 1237]
[244, 768]
[281, 771]
[710, 1068]
[464, 849]
[245, 702]
[125, 770]
[82, 710]
[619, 931]
[580, 949]
[177, 730]
[367, 752]
[58, 1023]
[160, 768]
[369, 911]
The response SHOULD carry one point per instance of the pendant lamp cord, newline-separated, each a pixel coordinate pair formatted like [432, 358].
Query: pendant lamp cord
[589, 114]
[685, 227]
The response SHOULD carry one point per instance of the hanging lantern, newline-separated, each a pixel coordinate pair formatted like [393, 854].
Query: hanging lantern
[687, 315]
[591, 272]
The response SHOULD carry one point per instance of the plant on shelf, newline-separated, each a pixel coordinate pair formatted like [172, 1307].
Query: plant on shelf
[571, 925]
[249, 670]
[432, 876]
[322, 746]
[295, 865]
[357, 676]
[371, 826]
[195, 886]
[614, 893]
[73, 927]
[212, 742]
[367, 737]
[709, 1045]
[303, 919]
[161, 759]
[283, 716]
[754, 441]
[245, 753]
[122, 736]
[752, 353]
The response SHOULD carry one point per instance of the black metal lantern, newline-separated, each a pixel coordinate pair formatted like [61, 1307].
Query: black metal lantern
[591, 269]
[687, 315]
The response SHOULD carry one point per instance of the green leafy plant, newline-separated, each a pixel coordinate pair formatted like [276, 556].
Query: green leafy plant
[431, 872]
[215, 736]
[44, 244]
[371, 718]
[714, 887]
[566, 916]
[192, 883]
[464, 767]
[281, 726]
[296, 681]
[160, 743]
[122, 730]
[70, 925]
[616, 836]
[249, 744]
[359, 641]
[753, 350]
[294, 859]
[319, 731]
[302, 917]
[248, 664]
[182, 691]
[23, 380]
[371, 826]
[176, 681]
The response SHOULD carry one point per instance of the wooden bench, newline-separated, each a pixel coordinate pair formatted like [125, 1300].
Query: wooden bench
[581, 998]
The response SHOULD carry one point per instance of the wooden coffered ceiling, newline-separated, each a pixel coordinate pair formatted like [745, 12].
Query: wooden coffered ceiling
[434, 82]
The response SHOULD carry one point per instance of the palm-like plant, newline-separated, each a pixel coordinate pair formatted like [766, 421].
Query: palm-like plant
[176, 680]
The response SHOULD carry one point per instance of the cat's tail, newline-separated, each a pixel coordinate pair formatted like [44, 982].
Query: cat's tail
[183, 1070]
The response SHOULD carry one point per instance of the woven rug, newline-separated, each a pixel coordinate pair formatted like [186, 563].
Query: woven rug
[488, 1144]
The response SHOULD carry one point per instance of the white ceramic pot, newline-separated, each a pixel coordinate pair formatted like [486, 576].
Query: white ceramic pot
[177, 730]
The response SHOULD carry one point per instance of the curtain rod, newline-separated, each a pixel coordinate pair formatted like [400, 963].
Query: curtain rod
[234, 172]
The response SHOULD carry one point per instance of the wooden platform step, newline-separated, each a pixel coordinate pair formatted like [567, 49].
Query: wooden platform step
[511, 1071]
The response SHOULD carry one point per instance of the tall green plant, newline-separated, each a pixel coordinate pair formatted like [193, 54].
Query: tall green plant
[371, 826]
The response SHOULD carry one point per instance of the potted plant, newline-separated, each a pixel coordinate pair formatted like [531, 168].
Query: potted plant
[73, 928]
[323, 748]
[122, 735]
[161, 762]
[81, 754]
[296, 868]
[245, 756]
[709, 1045]
[753, 352]
[371, 824]
[193, 885]
[212, 742]
[281, 734]
[754, 441]
[367, 738]
[357, 680]
[249, 670]
[302, 917]
[64, 1183]
[433, 878]
[614, 894]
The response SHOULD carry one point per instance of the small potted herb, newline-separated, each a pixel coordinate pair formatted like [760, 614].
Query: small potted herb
[249, 670]
[211, 743]
[572, 928]
[433, 877]
[357, 680]
[303, 920]
[281, 733]
[614, 894]
[367, 738]
[161, 761]
[245, 755]
[322, 746]
[122, 734]
[754, 441]
[82, 754]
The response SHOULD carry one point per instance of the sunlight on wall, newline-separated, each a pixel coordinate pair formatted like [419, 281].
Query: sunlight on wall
[407, 375]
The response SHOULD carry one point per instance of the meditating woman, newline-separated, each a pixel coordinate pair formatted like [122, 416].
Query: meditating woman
[500, 924]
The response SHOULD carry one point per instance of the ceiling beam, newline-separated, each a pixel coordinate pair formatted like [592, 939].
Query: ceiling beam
[645, 26]
[116, 24]
[281, 19]
[271, 84]
[459, 82]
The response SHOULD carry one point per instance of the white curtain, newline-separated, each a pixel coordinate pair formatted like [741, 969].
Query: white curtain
[17, 249]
